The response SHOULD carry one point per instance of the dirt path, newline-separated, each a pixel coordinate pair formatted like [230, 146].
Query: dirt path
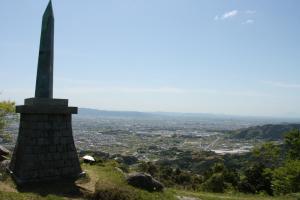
[4, 187]
[89, 185]
[187, 198]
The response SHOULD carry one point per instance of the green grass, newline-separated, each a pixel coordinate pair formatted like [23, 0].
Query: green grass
[238, 196]
[110, 179]
[26, 196]
[9, 191]
[110, 184]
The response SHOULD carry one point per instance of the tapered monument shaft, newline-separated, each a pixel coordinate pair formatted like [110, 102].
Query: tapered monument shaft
[44, 79]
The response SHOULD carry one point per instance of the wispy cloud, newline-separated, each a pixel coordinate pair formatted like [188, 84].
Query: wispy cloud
[244, 15]
[227, 15]
[230, 14]
[83, 90]
[87, 89]
[283, 84]
[248, 21]
[83, 87]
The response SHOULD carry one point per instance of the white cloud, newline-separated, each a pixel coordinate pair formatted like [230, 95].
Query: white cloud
[83, 90]
[249, 21]
[283, 84]
[88, 89]
[230, 14]
[235, 13]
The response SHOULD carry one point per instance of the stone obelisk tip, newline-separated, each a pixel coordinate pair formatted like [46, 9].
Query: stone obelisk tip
[49, 9]
[44, 79]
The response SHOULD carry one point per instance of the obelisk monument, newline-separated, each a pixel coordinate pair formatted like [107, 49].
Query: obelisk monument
[45, 148]
[44, 79]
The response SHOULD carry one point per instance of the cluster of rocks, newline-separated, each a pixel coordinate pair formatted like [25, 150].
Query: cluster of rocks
[140, 180]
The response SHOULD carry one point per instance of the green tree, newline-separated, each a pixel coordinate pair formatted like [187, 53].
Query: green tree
[6, 108]
[292, 141]
[267, 155]
[256, 179]
[215, 183]
[149, 168]
[219, 177]
[183, 178]
[286, 179]
[257, 176]
[218, 168]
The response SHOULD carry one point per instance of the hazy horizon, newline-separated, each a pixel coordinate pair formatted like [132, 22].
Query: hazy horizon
[218, 57]
[278, 119]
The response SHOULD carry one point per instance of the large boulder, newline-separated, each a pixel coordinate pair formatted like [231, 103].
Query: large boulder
[144, 181]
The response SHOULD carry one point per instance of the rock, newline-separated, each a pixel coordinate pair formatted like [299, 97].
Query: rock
[121, 171]
[4, 151]
[119, 159]
[101, 154]
[88, 159]
[187, 198]
[4, 164]
[130, 160]
[3, 158]
[144, 181]
[126, 159]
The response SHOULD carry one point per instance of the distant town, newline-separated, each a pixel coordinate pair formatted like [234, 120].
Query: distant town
[146, 136]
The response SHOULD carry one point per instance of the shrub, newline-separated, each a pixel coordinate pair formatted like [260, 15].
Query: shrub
[6, 108]
[257, 179]
[215, 183]
[292, 141]
[110, 191]
[286, 179]
[267, 155]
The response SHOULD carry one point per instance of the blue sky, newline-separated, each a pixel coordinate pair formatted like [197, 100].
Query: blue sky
[238, 57]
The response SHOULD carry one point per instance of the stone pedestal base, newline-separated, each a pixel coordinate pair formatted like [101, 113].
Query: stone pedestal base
[45, 148]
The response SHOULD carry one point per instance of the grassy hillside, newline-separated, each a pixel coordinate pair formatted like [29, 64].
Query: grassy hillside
[20, 196]
[215, 196]
[268, 132]
[109, 183]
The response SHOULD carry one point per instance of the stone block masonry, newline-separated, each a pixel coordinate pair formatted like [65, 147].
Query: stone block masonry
[45, 148]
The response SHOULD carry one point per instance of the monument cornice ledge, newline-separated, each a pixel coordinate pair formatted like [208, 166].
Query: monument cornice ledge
[46, 109]
[46, 101]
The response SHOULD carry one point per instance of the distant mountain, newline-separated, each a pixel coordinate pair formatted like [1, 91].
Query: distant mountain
[268, 132]
[94, 113]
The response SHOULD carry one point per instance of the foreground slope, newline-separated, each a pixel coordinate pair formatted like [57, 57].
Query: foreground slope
[107, 182]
